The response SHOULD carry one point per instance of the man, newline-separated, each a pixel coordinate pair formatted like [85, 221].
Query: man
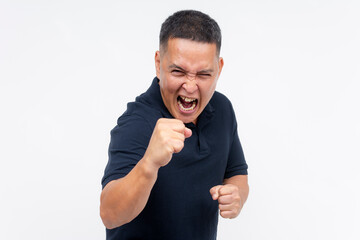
[175, 159]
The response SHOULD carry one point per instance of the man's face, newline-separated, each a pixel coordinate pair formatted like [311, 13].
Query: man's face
[188, 73]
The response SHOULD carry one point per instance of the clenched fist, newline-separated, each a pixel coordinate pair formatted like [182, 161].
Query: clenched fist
[229, 199]
[167, 138]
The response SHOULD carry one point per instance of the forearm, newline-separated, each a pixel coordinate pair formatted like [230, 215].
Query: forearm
[123, 199]
[241, 181]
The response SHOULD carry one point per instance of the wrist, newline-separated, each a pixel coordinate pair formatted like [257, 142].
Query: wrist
[149, 168]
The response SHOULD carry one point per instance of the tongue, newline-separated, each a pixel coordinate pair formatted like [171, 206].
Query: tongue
[186, 104]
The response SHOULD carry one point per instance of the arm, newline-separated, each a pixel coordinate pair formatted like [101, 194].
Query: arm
[123, 199]
[231, 196]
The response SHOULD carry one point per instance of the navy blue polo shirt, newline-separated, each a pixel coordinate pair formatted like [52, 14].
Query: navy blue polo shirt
[180, 206]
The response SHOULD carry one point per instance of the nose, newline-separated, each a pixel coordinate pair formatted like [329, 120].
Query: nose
[190, 86]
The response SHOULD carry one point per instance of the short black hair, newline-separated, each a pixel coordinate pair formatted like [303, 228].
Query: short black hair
[193, 25]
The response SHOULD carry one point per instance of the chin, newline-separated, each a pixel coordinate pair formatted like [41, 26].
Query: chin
[187, 119]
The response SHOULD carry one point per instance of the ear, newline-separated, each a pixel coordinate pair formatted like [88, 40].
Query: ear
[221, 64]
[157, 64]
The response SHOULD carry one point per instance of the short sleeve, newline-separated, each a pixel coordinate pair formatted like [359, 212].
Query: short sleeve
[129, 140]
[236, 164]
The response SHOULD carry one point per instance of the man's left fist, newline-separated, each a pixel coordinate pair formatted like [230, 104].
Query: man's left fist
[229, 199]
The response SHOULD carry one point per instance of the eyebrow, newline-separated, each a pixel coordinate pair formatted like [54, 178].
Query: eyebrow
[176, 66]
[180, 68]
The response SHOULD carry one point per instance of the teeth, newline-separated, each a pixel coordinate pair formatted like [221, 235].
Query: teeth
[187, 109]
[186, 99]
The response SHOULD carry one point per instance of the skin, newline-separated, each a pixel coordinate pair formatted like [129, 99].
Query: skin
[117, 208]
[189, 69]
[231, 196]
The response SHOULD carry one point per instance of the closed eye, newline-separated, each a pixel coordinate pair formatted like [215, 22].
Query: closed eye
[177, 73]
[204, 75]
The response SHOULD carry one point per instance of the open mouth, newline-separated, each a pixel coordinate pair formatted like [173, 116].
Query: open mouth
[187, 104]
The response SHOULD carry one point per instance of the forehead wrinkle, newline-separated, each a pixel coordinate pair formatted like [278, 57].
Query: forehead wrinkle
[180, 54]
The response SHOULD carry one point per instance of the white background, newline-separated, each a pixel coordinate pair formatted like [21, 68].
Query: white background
[292, 71]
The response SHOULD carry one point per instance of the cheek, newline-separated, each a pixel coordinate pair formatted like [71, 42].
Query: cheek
[207, 90]
[172, 85]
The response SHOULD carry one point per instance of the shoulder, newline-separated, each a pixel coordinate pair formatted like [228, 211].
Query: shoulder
[135, 124]
[131, 123]
[139, 114]
[129, 128]
[224, 114]
[221, 104]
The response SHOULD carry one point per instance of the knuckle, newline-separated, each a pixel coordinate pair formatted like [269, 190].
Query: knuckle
[224, 214]
[159, 121]
[163, 136]
[163, 132]
[222, 200]
[178, 121]
[234, 213]
[179, 146]
[213, 190]
[222, 190]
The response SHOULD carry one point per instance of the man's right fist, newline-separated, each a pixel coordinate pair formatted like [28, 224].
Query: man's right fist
[167, 138]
